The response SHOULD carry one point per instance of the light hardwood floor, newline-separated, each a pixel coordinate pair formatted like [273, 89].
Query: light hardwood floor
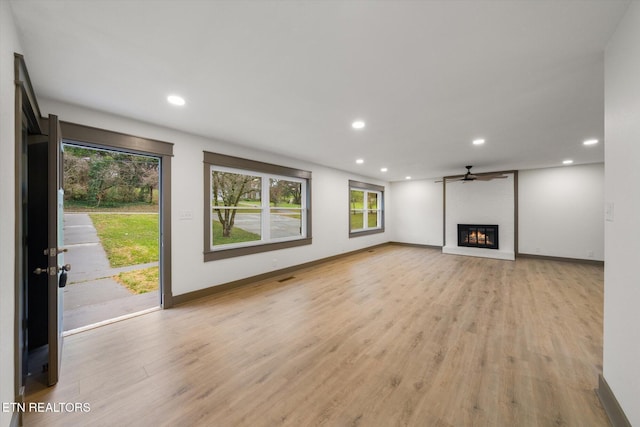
[395, 336]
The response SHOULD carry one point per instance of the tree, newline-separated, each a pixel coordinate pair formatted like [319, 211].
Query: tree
[228, 190]
[76, 175]
[287, 191]
[293, 190]
[98, 176]
[357, 199]
[149, 178]
[276, 192]
[103, 175]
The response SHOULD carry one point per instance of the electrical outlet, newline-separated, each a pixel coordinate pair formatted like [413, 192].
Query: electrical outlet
[186, 215]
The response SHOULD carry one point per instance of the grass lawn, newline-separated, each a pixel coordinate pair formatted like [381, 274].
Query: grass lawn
[84, 206]
[357, 221]
[128, 239]
[140, 281]
[237, 235]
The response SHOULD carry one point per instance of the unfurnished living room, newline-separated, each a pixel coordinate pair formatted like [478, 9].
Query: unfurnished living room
[340, 213]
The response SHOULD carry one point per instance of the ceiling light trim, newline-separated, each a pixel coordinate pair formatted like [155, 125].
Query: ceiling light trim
[358, 124]
[176, 100]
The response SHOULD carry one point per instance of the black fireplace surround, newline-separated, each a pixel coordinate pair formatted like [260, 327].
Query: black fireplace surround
[478, 236]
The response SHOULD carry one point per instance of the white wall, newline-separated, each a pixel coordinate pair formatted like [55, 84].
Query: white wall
[417, 212]
[330, 195]
[621, 358]
[8, 45]
[481, 202]
[561, 212]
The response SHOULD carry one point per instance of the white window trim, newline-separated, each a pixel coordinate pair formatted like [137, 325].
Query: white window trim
[366, 210]
[223, 160]
[367, 188]
[265, 208]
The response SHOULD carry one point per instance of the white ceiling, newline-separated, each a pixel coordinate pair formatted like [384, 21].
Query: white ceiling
[289, 77]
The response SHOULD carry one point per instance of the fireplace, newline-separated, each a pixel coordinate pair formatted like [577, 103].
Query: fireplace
[478, 236]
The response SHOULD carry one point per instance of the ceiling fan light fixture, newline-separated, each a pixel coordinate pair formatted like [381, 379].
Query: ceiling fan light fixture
[470, 177]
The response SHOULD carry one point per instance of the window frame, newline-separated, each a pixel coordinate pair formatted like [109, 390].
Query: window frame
[367, 188]
[266, 171]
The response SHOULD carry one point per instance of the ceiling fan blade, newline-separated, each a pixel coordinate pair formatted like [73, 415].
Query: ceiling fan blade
[490, 177]
[451, 180]
[470, 177]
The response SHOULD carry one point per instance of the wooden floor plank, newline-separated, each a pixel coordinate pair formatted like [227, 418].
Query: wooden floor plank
[394, 336]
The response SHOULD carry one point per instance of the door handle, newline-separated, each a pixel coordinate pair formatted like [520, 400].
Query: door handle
[55, 251]
[53, 270]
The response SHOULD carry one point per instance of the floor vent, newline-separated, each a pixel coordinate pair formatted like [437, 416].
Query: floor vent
[286, 279]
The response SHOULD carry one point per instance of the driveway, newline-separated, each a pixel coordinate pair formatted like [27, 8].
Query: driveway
[92, 295]
[281, 225]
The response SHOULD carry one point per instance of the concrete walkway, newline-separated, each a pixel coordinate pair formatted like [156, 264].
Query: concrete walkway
[91, 294]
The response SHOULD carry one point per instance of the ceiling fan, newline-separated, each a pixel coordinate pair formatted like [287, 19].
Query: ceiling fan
[471, 177]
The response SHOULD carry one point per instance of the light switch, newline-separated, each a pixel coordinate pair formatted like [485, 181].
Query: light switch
[608, 212]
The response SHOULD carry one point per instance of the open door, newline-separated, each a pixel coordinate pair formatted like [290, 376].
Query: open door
[56, 270]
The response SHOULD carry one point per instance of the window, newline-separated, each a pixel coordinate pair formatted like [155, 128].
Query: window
[253, 207]
[366, 209]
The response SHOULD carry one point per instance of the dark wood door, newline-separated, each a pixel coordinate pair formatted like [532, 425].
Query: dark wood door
[44, 252]
[54, 250]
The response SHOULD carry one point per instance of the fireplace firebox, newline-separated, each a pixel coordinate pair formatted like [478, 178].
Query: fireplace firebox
[478, 236]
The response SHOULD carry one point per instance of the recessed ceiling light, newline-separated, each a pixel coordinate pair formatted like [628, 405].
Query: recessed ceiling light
[407, 177]
[590, 142]
[478, 141]
[567, 162]
[383, 169]
[358, 124]
[175, 100]
[360, 161]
